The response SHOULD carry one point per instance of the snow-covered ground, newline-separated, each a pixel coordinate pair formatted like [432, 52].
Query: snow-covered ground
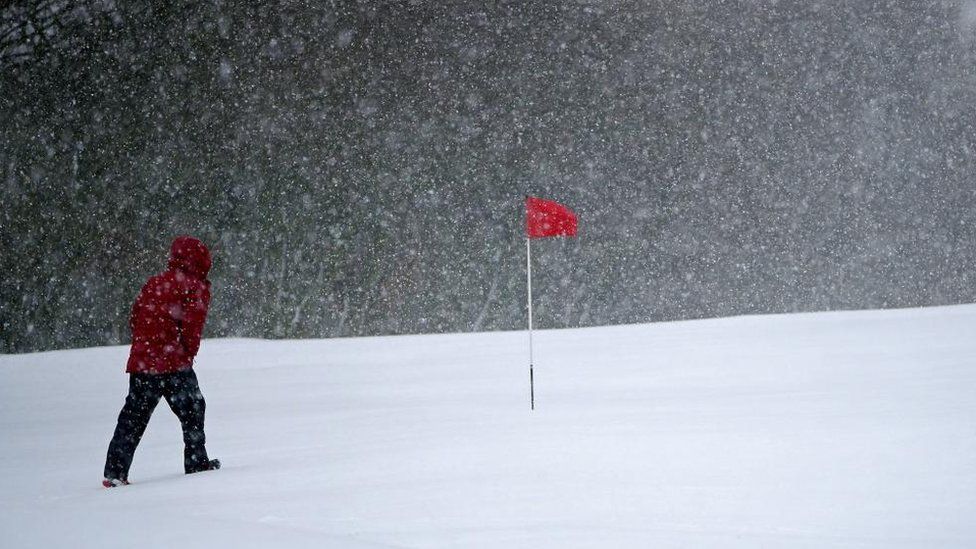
[819, 430]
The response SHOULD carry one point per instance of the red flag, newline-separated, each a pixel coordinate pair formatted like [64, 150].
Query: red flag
[547, 218]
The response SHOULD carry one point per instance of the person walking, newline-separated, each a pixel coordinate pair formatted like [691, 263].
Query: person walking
[167, 323]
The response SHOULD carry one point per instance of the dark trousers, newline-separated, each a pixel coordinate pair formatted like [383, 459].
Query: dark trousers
[182, 393]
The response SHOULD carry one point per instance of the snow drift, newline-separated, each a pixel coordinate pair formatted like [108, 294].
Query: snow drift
[853, 429]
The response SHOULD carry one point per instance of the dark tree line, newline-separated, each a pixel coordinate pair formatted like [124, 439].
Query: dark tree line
[359, 167]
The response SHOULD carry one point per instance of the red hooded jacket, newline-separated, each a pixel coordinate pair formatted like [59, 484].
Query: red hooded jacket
[168, 315]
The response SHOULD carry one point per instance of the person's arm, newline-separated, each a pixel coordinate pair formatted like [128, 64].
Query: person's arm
[139, 304]
[195, 308]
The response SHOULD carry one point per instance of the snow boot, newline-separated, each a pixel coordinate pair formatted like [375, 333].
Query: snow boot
[114, 482]
[210, 465]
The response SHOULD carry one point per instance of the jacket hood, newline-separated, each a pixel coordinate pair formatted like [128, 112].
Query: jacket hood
[191, 256]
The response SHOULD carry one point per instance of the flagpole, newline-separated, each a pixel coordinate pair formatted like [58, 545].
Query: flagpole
[528, 271]
[542, 218]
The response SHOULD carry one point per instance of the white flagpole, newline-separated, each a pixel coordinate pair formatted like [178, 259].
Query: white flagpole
[528, 270]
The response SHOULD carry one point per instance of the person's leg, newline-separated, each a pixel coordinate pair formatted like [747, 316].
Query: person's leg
[184, 397]
[144, 394]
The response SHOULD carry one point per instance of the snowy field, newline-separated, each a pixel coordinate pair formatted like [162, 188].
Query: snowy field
[819, 430]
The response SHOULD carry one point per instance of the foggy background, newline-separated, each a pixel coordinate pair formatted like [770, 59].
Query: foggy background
[359, 167]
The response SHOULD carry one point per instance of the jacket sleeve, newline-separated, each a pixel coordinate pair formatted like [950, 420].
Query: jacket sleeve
[195, 307]
[135, 311]
[139, 306]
